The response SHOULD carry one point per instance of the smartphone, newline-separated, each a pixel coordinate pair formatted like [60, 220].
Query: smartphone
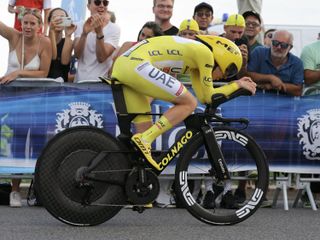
[66, 22]
[240, 41]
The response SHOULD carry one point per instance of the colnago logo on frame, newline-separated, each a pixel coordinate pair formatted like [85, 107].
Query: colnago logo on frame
[79, 114]
[309, 134]
[175, 149]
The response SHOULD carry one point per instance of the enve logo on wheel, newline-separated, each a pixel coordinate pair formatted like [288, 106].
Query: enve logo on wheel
[79, 114]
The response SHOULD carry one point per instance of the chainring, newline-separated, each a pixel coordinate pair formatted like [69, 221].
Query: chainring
[145, 192]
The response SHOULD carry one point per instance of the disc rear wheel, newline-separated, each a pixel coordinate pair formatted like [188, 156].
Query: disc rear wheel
[81, 202]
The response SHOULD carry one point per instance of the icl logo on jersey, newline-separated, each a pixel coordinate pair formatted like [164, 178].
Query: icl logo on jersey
[309, 134]
[79, 114]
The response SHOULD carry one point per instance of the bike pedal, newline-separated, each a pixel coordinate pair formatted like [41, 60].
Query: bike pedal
[139, 209]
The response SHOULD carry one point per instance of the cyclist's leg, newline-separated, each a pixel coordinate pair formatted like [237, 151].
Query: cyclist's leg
[138, 103]
[142, 126]
[146, 80]
[183, 106]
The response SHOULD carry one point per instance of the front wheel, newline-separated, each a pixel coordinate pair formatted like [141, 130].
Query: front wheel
[245, 161]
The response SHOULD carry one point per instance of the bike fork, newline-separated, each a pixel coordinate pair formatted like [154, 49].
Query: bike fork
[214, 154]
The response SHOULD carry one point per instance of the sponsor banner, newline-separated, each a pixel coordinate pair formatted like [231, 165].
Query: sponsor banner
[31, 113]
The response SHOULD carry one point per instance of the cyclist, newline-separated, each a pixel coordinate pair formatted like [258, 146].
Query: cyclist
[147, 70]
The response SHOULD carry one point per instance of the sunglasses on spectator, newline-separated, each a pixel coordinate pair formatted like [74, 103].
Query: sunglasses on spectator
[283, 45]
[252, 24]
[98, 2]
[201, 14]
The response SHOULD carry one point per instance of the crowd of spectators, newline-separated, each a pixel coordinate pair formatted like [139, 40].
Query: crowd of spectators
[44, 47]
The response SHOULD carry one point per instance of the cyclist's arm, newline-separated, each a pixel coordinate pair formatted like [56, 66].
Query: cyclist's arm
[203, 87]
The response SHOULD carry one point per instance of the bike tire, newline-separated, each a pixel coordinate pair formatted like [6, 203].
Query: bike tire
[240, 152]
[55, 175]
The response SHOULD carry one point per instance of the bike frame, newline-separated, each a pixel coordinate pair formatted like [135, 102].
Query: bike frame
[195, 124]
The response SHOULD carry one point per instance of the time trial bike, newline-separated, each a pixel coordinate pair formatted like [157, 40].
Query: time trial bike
[85, 175]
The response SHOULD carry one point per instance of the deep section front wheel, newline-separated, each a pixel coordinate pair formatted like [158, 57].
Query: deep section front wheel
[59, 172]
[247, 165]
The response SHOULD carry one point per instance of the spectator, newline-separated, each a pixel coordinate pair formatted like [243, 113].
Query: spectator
[310, 57]
[95, 41]
[189, 28]
[29, 57]
[61, 47]
[162, 10]
[268, 35]
[276, 68]
[149, 30]
[234, 31]
[252, 29]
[203, 14]
[255, 6]
[29, 53]
[18, 7]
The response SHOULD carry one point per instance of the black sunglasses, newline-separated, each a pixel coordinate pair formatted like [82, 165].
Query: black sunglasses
[203, 14]
[283, 45]
[98, 2]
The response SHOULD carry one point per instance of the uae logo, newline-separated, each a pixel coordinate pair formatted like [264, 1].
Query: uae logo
[309, 134]
[79, 114]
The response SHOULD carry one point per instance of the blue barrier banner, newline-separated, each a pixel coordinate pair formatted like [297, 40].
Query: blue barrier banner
[287, 128]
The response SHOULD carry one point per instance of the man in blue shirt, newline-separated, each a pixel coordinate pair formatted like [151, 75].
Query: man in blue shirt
[276, 68]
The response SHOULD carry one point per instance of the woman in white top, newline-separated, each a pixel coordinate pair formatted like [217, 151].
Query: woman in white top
[29, 52]
[29, 57]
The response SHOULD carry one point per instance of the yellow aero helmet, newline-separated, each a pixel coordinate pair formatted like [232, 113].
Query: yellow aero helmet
[226, 54]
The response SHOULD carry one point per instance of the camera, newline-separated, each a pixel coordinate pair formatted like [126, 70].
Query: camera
[66, 22]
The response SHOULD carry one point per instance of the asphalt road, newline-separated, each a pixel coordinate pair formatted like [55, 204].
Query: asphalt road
[32, 223]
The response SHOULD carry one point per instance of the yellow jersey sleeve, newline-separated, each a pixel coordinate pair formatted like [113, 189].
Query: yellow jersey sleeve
[202, 82]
